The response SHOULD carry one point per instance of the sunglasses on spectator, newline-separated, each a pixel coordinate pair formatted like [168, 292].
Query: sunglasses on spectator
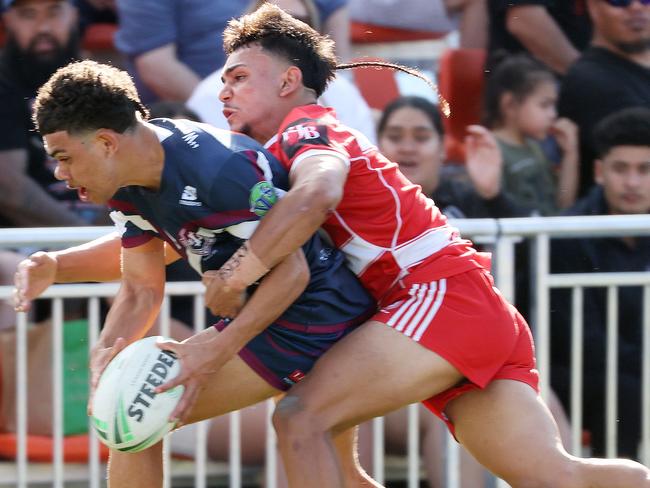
[625, 3]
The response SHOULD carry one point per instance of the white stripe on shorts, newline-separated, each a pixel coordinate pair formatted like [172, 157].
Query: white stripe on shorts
[442, 288]
[406, 307]
[424, 308]
[415, 314]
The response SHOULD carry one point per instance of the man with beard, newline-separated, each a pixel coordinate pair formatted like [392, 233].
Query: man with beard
[41, 36]
[613, 73]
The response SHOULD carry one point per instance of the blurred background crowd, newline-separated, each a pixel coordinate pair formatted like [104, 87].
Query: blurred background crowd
[550, 115]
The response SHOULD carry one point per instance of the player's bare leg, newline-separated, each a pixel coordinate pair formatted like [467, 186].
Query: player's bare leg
[345, 445]
[509, 429]
[506, 427]
[370, 372]
[232, 387]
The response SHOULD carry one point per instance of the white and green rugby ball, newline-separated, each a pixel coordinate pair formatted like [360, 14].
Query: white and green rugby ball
[127, 414]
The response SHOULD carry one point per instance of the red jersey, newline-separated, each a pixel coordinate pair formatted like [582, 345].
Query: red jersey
[390, 232]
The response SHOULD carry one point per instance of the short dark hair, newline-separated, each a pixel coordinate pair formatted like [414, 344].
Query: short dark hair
[85, 96]
[419, 103]
[279, 33]
[626, 127]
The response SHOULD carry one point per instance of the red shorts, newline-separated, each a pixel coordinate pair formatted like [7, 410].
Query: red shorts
[467, 321]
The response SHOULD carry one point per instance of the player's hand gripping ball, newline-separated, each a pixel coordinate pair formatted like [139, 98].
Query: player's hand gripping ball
[127, 414]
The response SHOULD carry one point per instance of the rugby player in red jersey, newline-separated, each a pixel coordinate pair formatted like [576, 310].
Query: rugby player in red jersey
[443, 334]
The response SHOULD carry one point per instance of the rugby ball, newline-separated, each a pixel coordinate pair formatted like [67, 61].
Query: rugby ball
[126, 412]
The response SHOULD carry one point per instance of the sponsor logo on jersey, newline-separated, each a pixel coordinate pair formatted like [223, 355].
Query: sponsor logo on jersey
[189, 197]
[196, 243]
[300, 132]
[190, 138]
[262, 198]
[325, 253]
[294, 377]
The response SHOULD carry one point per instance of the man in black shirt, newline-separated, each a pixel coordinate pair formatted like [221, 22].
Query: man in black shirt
[623, 187]
[553, 31]
[41, 36]
[613, 73]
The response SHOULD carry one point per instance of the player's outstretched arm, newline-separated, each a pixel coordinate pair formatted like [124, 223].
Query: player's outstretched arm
[98, 260]
[136, 305]
[208, 351]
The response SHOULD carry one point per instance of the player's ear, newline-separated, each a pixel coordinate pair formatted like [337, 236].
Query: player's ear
[108, 140]
[291, 81]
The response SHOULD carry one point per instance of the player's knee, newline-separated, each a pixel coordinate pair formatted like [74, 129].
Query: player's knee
[288, 412]
[291, 417]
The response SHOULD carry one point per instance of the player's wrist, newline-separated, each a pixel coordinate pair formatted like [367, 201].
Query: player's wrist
[242, 269]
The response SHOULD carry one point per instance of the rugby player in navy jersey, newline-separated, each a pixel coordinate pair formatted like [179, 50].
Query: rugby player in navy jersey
[202, 191]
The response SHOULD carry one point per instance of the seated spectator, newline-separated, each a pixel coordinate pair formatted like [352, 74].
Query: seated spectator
[441, 16]
[520, 99]
[612, 74]
[341, 94]
[170, 47]
[554, 32]
[41, 36]
[410, 133]
[622, 175]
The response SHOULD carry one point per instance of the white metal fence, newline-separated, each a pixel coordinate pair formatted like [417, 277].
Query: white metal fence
[501, 234]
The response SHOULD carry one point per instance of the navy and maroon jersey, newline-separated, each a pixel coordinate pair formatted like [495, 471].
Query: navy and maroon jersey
[215, 187]
[389, 231]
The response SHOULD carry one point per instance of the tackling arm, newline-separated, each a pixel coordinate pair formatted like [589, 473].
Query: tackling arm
[316, 189]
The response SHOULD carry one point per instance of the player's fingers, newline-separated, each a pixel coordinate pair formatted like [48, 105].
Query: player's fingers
[174, 382]
[118, 345]
[19, 302]
[185, 404]
[172, 346]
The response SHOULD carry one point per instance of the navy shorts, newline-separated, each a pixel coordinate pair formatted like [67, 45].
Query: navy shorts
[285, 352]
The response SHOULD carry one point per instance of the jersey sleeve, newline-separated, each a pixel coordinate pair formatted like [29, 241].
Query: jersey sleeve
[306, 137]
[240, 195]
[132, 227]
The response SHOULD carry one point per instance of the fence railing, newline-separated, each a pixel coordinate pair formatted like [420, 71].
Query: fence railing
[502, 234]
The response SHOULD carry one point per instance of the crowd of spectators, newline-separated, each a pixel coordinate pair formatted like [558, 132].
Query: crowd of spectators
[566, 131]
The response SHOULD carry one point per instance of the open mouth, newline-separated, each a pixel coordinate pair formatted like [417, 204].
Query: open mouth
[82, 192]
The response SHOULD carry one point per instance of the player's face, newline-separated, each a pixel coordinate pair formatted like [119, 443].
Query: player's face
[624, 174]
[41, 27]
[535, 114]
[83, 162]
[410, 139]
[252, 84]
[626, 28]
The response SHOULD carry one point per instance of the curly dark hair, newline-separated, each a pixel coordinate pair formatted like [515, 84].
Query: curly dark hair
[279, 33]
[85, 96]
